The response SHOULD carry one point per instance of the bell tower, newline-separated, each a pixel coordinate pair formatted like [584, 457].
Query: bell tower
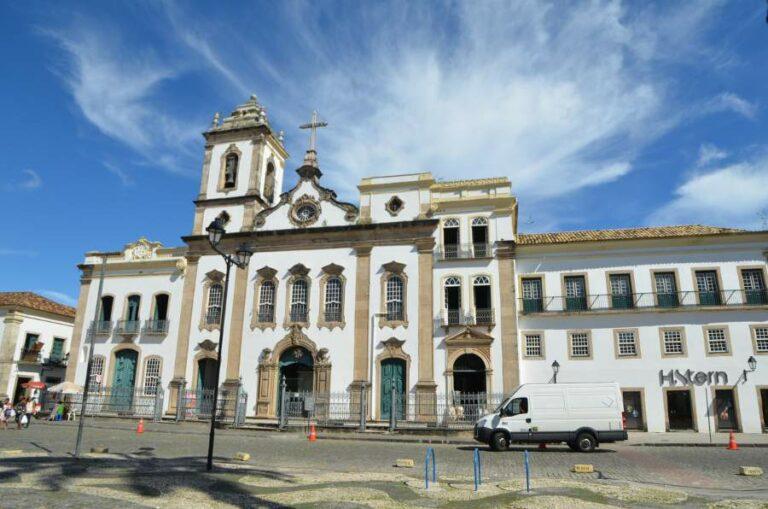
[242, 168]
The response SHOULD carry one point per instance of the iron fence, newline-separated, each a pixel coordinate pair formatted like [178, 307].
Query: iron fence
[198, 404]
[144, 402]
[450, 411]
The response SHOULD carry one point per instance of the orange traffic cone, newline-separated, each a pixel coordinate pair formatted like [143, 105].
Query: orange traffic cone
[542, 446]
[732, 445]
[312, 433]
[140, 427]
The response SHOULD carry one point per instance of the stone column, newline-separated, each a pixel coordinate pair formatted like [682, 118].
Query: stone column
[426, 387]
[254, 179]
[206, 172]
[236, 318]
[80, 321]
[510, 365]
[360, 379]
[185, 323]
[12, 325]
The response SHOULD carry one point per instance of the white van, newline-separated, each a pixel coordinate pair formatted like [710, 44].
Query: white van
[582, 415]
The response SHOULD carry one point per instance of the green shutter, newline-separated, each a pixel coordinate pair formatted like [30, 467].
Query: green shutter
[57, 349]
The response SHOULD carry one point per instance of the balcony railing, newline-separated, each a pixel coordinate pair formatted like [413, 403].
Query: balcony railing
[648, 300]
[482, 316]
[128, 327]
[333, 315]
[463, 251]
[156, 327]
[57, 360]
[299, 315]
[452, 317]
[101, 327]
[31, 356]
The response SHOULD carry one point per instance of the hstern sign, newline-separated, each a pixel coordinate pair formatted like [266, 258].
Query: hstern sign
[690, 377]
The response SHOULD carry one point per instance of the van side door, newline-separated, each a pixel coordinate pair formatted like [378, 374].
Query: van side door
[515, 419]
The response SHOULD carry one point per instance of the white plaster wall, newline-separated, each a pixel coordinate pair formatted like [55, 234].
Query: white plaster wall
[47, 328]
[339, 342]
[120, 287]
[243, 169]
[410, 211]
[406, 255]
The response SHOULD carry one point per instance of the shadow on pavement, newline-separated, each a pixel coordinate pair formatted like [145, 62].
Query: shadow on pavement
[534, 448]
[136, 476]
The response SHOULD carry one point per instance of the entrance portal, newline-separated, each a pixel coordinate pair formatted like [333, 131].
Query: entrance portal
[633, 410]
[20, 391]
[297, 368]
[392, 373]
[679, 410]
[725, 410]
[469, 386]
[124, 380]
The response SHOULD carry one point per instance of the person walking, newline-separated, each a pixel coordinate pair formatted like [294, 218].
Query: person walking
[21, 407]
[29, 411]
[5, 412]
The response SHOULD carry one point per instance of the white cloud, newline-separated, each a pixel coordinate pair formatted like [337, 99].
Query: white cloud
[728, 101]
[115, 89]
[125, 179]
[17, 252]
[732, 195]
[29, 182]
[709, 153]
[59, 297]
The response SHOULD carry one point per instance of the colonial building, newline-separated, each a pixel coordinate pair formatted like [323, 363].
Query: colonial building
[34, 342]
[425, 285]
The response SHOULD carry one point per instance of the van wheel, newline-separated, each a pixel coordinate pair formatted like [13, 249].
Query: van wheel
[585, 442]
[499, 441]
[572, 445]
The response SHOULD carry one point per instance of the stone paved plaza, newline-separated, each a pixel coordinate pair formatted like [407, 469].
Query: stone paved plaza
[164, 467]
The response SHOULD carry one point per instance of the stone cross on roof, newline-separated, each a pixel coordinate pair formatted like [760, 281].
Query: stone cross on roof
[312, 126]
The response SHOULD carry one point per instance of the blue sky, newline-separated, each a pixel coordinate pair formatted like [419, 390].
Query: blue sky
[603, 114]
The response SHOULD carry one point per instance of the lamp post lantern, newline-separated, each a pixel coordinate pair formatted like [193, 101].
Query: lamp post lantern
[555, 369]
[752, 363]
[240, 259]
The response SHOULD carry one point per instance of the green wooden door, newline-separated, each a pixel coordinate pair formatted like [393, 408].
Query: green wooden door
[125, 377]
[392, 372]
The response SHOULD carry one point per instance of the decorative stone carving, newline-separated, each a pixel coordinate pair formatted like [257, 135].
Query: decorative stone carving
[181, 265]
[299, 270]
[140, 250]
[266, 272]
[207, 345]
[393, 346]
[215, 275]
[333, 269]
[299, 215]
[394, 267]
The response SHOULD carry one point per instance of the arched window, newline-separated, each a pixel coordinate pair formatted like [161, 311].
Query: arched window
[230, 171]
[452, 287]
[333, 299]
[97, 372]
[451, 237]
[106, 308]
[395, 298]
[132, 310]
[299, 301]
[267, 302]
[480, 246]
[151, 375]
[215, 294]
[269, 183]
[481, 292]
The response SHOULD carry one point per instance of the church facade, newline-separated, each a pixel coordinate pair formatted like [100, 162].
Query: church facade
[427, 286]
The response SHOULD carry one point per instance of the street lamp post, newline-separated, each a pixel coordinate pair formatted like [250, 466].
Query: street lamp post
[555, 369]
[241, 258]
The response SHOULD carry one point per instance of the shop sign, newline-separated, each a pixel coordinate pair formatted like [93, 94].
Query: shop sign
[690, 377]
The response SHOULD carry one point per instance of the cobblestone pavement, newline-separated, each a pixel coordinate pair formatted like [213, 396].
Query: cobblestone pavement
[36, 468]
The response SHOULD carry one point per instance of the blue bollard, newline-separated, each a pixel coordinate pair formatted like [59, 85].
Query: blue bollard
[430, 455]
[527, 474]
[477, 469]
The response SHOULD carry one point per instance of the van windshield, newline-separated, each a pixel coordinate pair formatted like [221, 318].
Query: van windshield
[506, 401]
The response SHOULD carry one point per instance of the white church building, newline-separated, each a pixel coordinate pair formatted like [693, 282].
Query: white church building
[426, 285]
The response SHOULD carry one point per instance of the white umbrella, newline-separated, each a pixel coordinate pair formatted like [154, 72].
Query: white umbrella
[66, 388]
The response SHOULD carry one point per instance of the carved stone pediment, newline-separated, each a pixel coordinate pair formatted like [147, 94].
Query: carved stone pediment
[298, 270]
[394, 345]
[394, 267]
[207, 345]
[140, 250]
[296, 336]
[468, 337]
[215, 275]
[266, 272]
[333, 269]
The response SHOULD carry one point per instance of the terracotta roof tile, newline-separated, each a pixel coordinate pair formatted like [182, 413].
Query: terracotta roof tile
[35, 301]
[653, 232]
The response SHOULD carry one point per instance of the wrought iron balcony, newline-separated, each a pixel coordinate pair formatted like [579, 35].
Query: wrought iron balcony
[156, 327]
[298, 314]
[452, 317]
[484, 316]
[57, 360]
[31, 356]
[463, 251]
[644, 301]
[127, 327]
[101, 327]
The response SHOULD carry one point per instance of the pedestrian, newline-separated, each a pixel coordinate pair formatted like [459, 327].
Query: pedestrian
[21, 408]
[5, 411]
[29, 411]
